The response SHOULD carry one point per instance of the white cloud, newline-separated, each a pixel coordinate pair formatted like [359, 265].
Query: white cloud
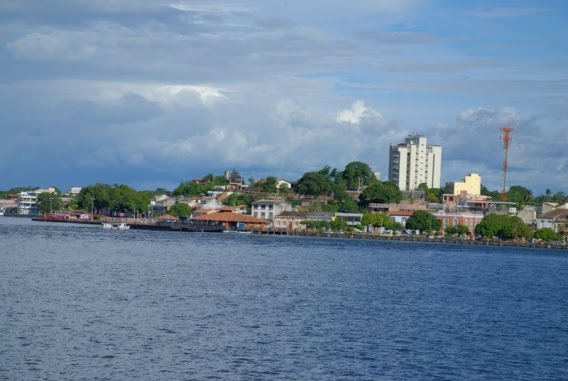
[358, 112]
[178, 86]
[180, 95]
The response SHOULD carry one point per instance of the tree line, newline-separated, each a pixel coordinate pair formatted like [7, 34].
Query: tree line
[331, 190]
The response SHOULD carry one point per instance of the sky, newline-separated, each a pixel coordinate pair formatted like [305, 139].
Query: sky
[153, 93]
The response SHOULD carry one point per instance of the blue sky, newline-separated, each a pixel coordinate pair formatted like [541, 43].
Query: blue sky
[154, 93]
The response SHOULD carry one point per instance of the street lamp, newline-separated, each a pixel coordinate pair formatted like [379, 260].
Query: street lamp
[92, 208]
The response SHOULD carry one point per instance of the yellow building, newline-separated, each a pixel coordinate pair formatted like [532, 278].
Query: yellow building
[471, 185]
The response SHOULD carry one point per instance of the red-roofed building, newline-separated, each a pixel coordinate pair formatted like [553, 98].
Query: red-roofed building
[234, 221]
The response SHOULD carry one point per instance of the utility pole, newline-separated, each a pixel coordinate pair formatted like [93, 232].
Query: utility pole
[506, 138]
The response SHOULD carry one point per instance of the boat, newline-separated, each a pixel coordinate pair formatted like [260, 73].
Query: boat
[228, 231]
[119, 226]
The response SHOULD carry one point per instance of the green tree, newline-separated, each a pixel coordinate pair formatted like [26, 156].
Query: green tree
[457, 229]
[338, 225]
[349, 206]
[495, 195]
[395, 226]
[316, 225]
[560, 198]
[314, 184]
[357, 174]
[97, 197]
[330, 207]
[124, 198]
[431, 194]
[380, 192]
[217, 181]
[269, 185]
[191, 188]
[116, 198]
[49, 202]
[503, 226]
[180, 210]
[376, 220]
[520, 195]
[423, 187]
[236, 199]
[547, 234]
[423, 221]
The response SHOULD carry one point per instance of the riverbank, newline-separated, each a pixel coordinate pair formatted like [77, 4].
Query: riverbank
[419, 239]
[207, 228]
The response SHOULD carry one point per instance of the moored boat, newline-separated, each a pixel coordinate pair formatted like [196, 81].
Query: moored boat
[119, 226]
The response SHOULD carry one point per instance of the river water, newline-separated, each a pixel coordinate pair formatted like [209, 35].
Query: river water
[83, 303]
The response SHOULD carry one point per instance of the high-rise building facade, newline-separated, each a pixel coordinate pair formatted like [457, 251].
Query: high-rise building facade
[414, 162]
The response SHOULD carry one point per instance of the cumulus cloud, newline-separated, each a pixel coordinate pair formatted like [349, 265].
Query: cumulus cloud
[357, 113]
[176, 89]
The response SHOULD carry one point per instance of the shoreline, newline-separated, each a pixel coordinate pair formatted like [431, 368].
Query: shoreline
[419, 239]
[355, 236]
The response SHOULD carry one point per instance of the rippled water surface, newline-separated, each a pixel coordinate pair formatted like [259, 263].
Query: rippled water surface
[84, 303]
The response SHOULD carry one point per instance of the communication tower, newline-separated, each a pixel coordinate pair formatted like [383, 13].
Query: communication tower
[506, 138]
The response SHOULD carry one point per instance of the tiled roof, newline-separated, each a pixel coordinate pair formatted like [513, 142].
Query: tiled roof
[555, 214]
[230, 217]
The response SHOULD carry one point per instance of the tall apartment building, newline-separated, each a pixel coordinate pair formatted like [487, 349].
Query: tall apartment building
[413, 162]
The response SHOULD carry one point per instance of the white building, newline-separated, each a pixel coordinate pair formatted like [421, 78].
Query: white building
[414, 162]
[268, 209]
[28, 201]
[74, 191]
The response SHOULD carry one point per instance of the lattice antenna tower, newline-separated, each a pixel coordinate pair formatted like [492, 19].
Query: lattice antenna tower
[506, 138]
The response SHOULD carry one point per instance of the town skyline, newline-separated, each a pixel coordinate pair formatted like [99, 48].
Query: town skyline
[151, 94]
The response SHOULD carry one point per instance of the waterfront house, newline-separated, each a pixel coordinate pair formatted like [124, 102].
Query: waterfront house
[27, 203]
[233, 221]
[469, 219]
[268, 209]
[290, 220]
[160, 204]
[398, 212]
[352, 219]
[556, 220]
